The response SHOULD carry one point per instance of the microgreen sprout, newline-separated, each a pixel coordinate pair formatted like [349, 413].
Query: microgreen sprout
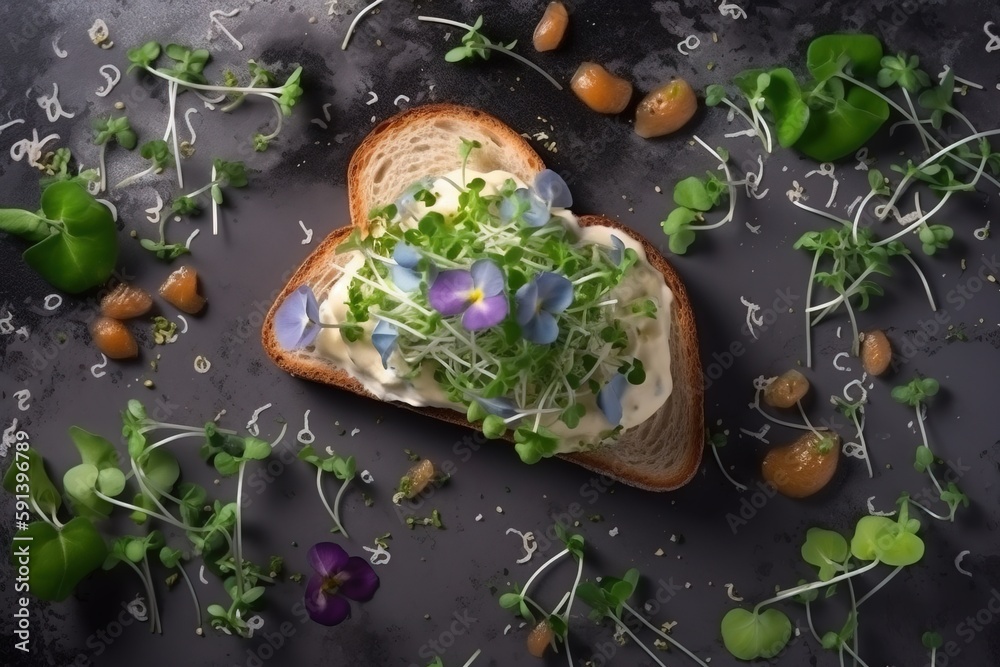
[106, 130]
[760, 633]
[854, 409]
[158, 153]
[436, 662]
[133, 552]
[916, 394]
[224, 174]
[357, 18]
[609, 599]
[717, 441]
[174, 558]
[558, 619]
[694, 197]
[475, 44]
[932, 641]
[342, 468]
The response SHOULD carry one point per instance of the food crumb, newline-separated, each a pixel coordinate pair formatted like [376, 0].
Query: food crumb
[499, 510]
[313, 19]
[613, 532]
[657, 189]
[148, 384]
[119, 105]
[479, 517]
[658, 552]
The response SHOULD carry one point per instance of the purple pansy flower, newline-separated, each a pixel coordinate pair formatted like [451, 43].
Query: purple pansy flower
[538, 300]
[477, 295]
[296, 322]
[609, 398]
[338, 578]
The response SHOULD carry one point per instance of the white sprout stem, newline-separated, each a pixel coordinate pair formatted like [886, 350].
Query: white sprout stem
[154, 611]
[864, 445]
[215, 206]
[326, 503]
[916, 223]
[238, 551]
[146, 491]
[51, 520]
[100, 159]
[172, 129]
[400, 325]
[856, 338]
[490, 45]
[150, 513]
[842, 297]
[805, 419]
[781, 422]
[923, 438]
[725, 473]
[181, 427]
[809, 291]
[913, 114]
[148, 585]
[854, 654]
[354, 23]
[933, 655]
[825, 214]
[854, 611]
[931, 513]
[524, 591]
[336, 508]
[664, 635]
[769, 145]
[804, 588]
[572, 596]
[913, 118]
[194, 594]
[879, 586]
[857, 216]
[213, 89]
[729, 186]
[277, 129]
[809, 621]
[747, 118]
[204, 188]
[475, 655]
[631, 636]
[923, 280]
[135, 177]
[169, 439]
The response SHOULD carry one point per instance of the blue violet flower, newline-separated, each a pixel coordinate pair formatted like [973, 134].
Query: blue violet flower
[609, 398]
[477, 295]
[538, 301]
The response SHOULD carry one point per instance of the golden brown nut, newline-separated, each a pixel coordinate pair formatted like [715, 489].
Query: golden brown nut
[876, 352]
[666, 109]
[416, 479]
[551, 29]
[599, 89]
[180, 290]
[540, 638]
[113, 338]
[803, 467]
[125, 302]
[786, 390]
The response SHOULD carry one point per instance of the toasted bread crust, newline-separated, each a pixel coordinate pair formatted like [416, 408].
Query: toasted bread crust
[677, 426]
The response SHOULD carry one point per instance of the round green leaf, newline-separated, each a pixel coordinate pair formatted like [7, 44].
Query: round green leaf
[825, 549]
[111, 481]
[59, 559]
[79, 483]
[691, 193]
[749, 636]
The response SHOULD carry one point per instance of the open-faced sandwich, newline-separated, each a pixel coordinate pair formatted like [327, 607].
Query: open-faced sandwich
[465, 289]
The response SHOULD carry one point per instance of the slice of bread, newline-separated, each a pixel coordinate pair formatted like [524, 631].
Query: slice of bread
[661, 454]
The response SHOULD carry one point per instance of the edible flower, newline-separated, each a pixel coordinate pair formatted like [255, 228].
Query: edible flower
[404, 272]
[534, 206]
[477, 295]
[538, 301]
[338, 578]
[609, 398]
[617, 253]
[296, 321]
[384, 337]
[502, 407]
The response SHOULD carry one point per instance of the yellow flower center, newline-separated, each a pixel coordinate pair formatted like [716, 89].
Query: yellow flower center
[475, 296]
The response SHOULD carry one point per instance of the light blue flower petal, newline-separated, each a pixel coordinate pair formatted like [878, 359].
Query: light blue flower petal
[555, 292]
[292, 325]
[486, 313]
[405, 255]
[508, 209]
[609, 399]
[617, 253]
[487, 277]
[384, 337]
[552, 189]
[501, 406]
[406, 205]
[526, 302]
[405, 279]
[538, 212]
[449, 293]
[540, 329]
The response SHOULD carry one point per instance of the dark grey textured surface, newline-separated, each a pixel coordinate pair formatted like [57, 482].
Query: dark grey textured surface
[449, 575]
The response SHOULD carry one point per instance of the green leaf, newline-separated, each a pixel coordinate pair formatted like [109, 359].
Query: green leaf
[25, 224]
[510, 600]
[252, 595]
[924, 458]
[494, 427]
[714, 94]
[111, 481]
[691, 193]
[888, 541]
[160, 470]
[841, 130]
[860, 54]
[783, 98]
[84, 253]
[594, 597]
[143, 56]
[80, 483]
[749, 636]
[93, 449]
[59, 559]
[826, 550]
[40, 487]
[931, 640]
[678, 220]
[255, 449]
[681, 241]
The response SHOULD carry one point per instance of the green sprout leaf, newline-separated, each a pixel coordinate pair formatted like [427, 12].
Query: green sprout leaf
[829, 55]
[60, 558]
[893, 543]
[748, 635]
[714, 94]
[40, 488]
[924, 458]
[916, 391]
[189, 63]
[691, 193]
[931, 640]
[904, 72]
[143, 56]
[825, 549]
